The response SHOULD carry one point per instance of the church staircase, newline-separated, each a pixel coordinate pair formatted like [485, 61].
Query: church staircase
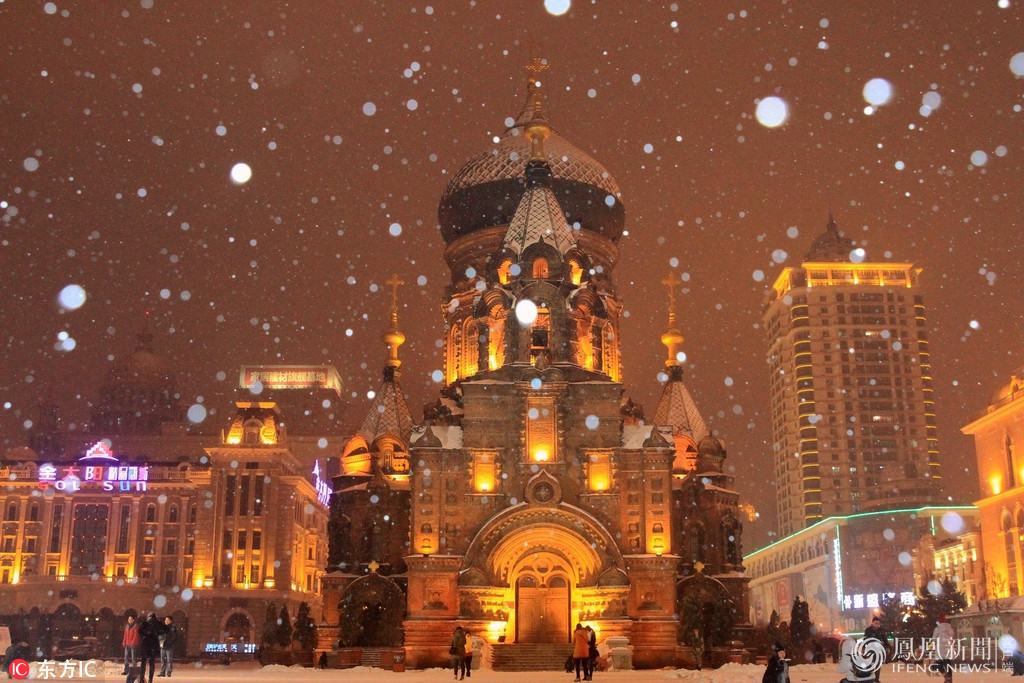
[530, 656]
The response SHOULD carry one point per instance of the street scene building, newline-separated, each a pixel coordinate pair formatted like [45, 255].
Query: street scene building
[141, 514]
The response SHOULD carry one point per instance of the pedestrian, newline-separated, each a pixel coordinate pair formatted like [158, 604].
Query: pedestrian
[849, 664]
[581, 652]
[457, 650]
[592, 646]
[778, 666]
[1017, 662]
[472, 643]
[945, 644]
[168, 639]
[149, 645]
[322, 662]
[130, 642]
[878, 633]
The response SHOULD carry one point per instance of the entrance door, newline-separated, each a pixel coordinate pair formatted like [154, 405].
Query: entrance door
[542, 611]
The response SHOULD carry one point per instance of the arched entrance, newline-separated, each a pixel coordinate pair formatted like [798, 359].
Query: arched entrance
[543, 599]
[533, 567]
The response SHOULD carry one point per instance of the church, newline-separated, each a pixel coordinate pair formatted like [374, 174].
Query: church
[533, 494]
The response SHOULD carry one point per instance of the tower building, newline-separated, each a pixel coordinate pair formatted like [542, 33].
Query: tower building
[853, 416]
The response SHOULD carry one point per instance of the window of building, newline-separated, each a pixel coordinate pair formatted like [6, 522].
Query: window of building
[33, 512]
[88, 530]
[30, 544]
[172, 547]
[147, 546]
[192, 514]
[172, 514]
[12, 511]
[151, 513]
[257, 538]
[241, 539]
[169, 577]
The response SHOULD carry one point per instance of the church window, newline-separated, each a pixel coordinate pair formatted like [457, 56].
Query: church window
[503, 272]
[539, 333]
[575, 272]
[540, 269]
[599, 472]
[470, 349]
[484, 472]
[540, 429]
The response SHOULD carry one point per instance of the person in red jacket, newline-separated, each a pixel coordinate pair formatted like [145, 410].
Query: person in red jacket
[130, 641]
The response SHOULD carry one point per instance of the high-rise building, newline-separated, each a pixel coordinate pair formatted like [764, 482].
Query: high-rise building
[853, 417]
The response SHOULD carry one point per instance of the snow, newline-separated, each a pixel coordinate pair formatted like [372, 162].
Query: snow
[730, 673]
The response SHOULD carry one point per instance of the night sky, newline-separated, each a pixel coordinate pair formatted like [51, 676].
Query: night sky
[121, 122]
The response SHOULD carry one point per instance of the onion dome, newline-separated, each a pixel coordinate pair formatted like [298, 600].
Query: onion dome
[139, 394]
[486, 191]
[830, 246]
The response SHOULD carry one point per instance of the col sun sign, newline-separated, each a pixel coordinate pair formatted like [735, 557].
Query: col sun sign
[98, 469]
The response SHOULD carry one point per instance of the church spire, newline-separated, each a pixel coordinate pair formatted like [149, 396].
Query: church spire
[673, 338]
[392, 336]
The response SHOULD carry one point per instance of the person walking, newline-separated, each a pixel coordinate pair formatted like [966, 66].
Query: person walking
[472, 643]
[149, 644]
[592, 647]
[778, 666]
[581, 652]
[168, 639]
[457, 650]
[878, 633]
[130, 643]
[945, 645]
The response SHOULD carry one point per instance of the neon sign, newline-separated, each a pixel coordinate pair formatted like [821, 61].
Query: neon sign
[97, 468]
[323, 489]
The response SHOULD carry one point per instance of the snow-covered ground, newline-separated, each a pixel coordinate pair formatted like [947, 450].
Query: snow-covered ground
[731, 673]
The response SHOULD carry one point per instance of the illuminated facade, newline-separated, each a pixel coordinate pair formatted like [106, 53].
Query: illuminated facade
[844, 567]
[853, 418]
[999, 444]
[145, 515]
[537, 496]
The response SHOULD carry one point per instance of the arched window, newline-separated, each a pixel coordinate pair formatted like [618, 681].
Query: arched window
[172, 514]
[1010, 545]
[151, 513]
[1011, 476]
[540, 269]
[12, 511]
[504, 274]
[33, 512]
[251, 432]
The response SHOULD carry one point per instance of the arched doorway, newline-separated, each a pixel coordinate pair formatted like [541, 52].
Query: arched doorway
[543, 599]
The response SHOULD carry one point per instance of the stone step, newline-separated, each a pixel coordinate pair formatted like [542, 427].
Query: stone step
[530, 656]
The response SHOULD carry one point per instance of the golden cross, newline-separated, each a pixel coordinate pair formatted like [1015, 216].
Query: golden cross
[373, 566]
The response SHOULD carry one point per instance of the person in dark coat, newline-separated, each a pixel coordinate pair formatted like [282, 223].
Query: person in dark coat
[149, 640]
[878, 633]
[592, 644]
[457, 650]
[168, 639]
[778, 666]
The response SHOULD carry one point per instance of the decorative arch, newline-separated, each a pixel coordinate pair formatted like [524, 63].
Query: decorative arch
[373, 607]
[238, 625]
[565, 531]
